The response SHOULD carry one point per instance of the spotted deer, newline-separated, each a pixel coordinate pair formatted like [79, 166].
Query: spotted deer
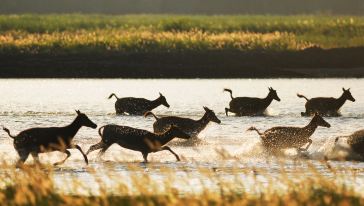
[355, 141]
[326, 106]
[137, 106]
[190, 126]
[137, 139]
[250, 106]
[278, 138]
[47, 139]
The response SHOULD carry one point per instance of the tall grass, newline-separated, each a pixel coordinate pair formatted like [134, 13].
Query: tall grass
[145, 41]
[167, 33]
[34, 185]
[327, 25]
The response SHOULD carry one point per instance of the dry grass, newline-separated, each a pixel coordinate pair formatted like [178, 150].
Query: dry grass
[163, 33]
[144, 41]
[34, 185]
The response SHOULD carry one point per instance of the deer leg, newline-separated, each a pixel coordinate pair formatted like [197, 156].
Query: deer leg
[35, 157]
[23, 156]
[309, 144]
[226, 111]
[103, 149]
[83, 154]
[145, 156]
[169, 149]
[68, 153]
[95, 147]
[306, 148]
[119, 111]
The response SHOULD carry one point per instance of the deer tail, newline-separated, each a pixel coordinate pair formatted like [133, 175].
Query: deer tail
[100, 131]
[8, 131]
[111, 95]
[231, 92]
[301, 96]
[254, 129]
[150, 113]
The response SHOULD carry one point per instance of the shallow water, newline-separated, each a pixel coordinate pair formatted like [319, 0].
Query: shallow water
[26, 103]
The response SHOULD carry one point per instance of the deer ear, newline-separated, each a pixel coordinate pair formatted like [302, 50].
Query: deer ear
[78, 111]
[205, 108]
[160, 94]
[343, 89]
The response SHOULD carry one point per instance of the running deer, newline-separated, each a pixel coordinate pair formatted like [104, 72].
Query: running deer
[48, 139]
[137, 106]
[327, 106]
[278, 138]
[137, 139]
[250, 106]
[189, 126]
[355, 141]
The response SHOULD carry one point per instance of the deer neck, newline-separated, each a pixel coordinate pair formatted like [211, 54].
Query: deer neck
[268, 100]
[72, 129]
[203, 121]
[310, 128]
[154, 103]
[340, 101]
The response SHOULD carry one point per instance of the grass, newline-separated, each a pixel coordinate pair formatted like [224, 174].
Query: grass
[100, 41]
[76, 33]
[34, 185]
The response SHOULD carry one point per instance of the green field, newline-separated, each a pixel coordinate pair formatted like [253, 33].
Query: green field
[77, 33]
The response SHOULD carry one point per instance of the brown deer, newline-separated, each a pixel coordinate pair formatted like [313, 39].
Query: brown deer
[355, 141]
[137, 106]
[250, 106]
[40, 140]
[278, 138]
[190, 126]
[137, 139]
[326, 106]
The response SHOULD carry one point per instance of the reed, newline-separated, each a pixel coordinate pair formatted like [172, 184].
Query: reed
[144, 41]
[78, 33]
[34, 185]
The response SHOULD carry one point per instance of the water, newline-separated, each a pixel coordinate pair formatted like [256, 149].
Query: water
[26, 103]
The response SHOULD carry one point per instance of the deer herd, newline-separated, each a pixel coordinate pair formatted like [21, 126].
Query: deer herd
[41, 140]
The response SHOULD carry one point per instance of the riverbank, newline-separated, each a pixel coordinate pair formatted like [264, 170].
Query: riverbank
[309, 63]
[180, 46]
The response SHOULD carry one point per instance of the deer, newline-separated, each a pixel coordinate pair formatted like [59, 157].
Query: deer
[137, 106]
[250, 106]
[278, 138]
[326, 106]
[137, 139]
[48, 139]
[355, 141]
[189, 126]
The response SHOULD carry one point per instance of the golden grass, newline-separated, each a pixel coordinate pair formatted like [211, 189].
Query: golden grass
[34, 185]
[144, 41]
[78, 33]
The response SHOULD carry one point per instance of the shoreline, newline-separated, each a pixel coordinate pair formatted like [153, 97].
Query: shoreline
[309, 63]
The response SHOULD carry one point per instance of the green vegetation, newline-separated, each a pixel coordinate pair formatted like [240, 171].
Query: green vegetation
[77, 33]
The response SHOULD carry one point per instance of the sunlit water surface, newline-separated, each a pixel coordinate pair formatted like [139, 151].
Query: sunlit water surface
[27, 103]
